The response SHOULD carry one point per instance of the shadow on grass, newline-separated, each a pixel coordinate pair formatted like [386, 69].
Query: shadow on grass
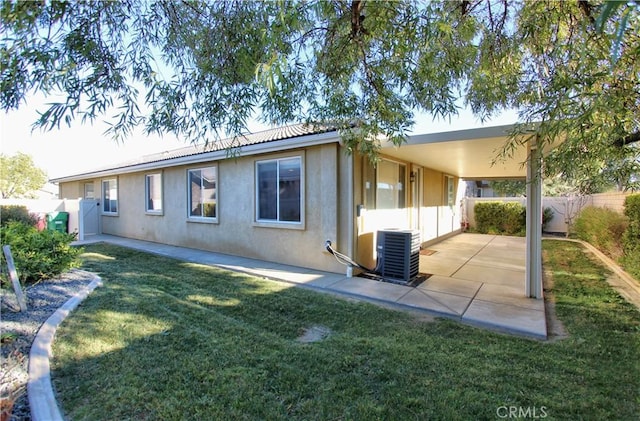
[164, 339]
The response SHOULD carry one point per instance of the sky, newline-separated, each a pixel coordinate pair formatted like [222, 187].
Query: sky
[80, 148]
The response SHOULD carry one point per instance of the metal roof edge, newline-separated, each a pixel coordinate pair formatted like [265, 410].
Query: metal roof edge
[459, 135]
[248, 150]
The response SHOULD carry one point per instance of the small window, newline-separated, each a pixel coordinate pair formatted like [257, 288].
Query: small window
[450, 191]
[203, 193]
[153, 193]
[110, 196]
[369, 171]
[88, 191]
[279, 190]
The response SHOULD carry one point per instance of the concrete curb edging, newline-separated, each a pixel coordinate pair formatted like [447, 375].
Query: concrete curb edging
[42, 401]
[627, 286]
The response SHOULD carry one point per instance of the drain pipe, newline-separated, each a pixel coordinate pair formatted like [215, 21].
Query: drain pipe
[346, 260]
[351, 237]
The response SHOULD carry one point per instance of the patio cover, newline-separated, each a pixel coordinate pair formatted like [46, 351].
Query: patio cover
[473, 154]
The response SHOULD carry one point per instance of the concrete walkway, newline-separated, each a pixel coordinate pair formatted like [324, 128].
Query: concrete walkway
[477, 279]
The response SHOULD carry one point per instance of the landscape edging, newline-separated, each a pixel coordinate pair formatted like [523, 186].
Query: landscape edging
[42, 401]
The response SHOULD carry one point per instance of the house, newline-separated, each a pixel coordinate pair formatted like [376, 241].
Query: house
[284, 192]
[479, 188]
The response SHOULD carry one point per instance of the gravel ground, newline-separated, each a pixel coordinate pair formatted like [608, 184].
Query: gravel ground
[19, 329]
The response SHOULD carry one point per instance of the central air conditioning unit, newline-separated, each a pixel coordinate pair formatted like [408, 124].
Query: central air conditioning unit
[398, 254]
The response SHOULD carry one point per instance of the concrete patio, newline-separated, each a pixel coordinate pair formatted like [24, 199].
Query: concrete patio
[477, 279]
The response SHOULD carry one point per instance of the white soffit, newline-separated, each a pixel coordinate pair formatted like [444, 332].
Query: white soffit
[466, 153]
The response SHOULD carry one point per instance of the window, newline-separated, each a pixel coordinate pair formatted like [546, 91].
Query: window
[153, 193]
[279, 190]
[369, 185]
[385, 185]
[203, 193]
[450, 191]
[110, 196]
[88, 191]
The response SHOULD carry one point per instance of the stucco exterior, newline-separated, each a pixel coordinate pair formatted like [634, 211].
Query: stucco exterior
[426, 207]
[236, 230]
[339, 204]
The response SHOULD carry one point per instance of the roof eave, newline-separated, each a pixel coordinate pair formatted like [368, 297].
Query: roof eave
[248, 150]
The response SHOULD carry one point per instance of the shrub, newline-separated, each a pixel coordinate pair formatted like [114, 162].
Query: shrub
[547, 216]
[631, 237]
[500, 218]
[39, 254]
[603, 228]
[18, 214]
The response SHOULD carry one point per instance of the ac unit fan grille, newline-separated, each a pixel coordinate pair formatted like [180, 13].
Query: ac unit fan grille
[400, 254]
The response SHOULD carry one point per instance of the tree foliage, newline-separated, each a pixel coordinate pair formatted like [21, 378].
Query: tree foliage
[20, 177]
[509, 187]
[203, 69]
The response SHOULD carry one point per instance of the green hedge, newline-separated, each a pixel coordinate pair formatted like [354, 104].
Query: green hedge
[37, 254]
[603, 228]
[631, 237]
[500, 218]
[16, 213]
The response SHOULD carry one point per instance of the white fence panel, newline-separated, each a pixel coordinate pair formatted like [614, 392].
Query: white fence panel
[41, 207]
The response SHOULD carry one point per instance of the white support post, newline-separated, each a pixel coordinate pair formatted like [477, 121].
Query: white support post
[533, 281]
[80, 219]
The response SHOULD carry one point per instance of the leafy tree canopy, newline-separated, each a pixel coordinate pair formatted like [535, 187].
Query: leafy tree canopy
[509, 188]
[203, 69]
[19, 176]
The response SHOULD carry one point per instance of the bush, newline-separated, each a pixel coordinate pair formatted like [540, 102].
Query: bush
[631, 237]
[18, 214]
[547, 216]
[39, 254]
[500, 218]
[603, 228]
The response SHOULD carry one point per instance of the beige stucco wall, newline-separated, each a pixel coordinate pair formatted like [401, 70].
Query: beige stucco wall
[333, 190]
[72, 189]
[437, 219]
[236, 232]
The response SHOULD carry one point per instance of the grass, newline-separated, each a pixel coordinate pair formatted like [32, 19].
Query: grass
[165, 339]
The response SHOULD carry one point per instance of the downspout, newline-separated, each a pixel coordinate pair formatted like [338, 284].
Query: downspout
[352, 215]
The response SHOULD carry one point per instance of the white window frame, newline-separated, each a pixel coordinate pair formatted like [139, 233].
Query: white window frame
[197, 218]
[158, 176]
[277, 223]
[449, 191]
[86, 194]
[109, 189]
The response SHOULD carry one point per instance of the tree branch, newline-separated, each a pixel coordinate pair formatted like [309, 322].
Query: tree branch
[586, 9]
[628, 139]
[356, 18]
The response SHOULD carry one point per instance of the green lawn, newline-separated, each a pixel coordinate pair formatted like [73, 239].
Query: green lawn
[169, 340]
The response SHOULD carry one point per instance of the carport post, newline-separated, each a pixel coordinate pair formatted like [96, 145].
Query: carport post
[533, 282]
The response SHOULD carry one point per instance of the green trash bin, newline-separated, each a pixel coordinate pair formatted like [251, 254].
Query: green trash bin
[58, 221]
